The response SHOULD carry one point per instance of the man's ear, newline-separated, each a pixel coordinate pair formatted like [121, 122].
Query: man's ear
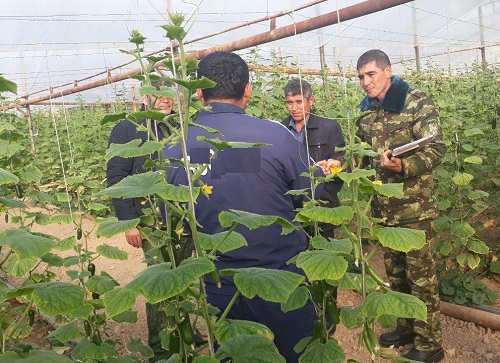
[311, 100]
[248, 90]
[199, 92]
[388, 71]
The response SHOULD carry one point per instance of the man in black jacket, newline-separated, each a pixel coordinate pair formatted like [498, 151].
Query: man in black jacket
[319, 134]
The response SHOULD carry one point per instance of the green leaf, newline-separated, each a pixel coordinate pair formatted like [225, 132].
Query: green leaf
[318, 352]
[161, 282]
[322, 265]
[249, 349]
[401, 239]
[136, 186]
[175, 32]
[495, 267]
[230, 328]
[335, 245]
[32, 174]
[297, 299]
[468, 260]
[461, 179]
[9, 149]
[97, 206]
[178, 193]
[7, 177]
[462, 230]
[232, 242]
[119, 300]
[25, 244]
[128, 316]
[164, 91]
[477, 246]
[111, 226]
[193, 85]
[204, 359]
[19, 267]
[356, 175]
[392, 190]
[334, 216]
[149, 114]
[473, 131]
[12, 203]
[386, 321]
[7, 86]
[62, 218]
[133, 149]
[101, 284]
[473, 160]
[135, 345]
[352, 281]
[86, 350]
[351, 318]
[251, 220]
[394, 303]
[34, 356]
[111, 252]
[270, 285]
[113, 118]
[83, 313]
[67, 332]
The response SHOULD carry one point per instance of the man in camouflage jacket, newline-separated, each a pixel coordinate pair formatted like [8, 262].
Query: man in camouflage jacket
[400, 115]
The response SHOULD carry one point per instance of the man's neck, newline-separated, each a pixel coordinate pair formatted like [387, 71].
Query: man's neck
[240, 103]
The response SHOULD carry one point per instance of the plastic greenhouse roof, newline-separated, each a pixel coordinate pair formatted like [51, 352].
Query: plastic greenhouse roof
[52, 42]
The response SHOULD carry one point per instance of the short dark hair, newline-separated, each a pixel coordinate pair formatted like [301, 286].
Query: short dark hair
[229, 71]
[296, 87]
[374, 55]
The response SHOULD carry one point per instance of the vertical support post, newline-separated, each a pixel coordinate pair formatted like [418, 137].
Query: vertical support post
[415, 37]
[30, 130]
[481, 37]
[322, 58]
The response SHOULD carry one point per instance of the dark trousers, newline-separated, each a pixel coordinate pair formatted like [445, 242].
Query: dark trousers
[288, 328]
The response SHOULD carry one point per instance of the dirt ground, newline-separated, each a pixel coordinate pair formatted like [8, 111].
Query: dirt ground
[464, 342]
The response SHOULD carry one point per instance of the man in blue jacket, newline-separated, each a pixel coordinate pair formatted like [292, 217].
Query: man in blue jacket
[254, 180]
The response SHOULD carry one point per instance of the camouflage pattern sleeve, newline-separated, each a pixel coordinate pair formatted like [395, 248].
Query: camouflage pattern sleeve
[426, 123]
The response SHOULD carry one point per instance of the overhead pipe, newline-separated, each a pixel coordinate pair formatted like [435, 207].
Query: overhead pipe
[348, 13]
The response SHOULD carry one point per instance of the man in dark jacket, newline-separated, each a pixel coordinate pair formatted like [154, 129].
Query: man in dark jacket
[321, 136]
[254, 180]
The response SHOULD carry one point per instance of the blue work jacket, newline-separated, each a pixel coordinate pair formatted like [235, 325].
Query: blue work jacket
[254, 180]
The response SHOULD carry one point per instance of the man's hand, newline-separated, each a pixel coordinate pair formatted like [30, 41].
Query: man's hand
[327, 165]
[134, 238]
[389, 162]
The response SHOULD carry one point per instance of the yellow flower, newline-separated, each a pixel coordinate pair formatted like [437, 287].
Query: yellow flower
[335, 169]
[378, 182]
[89, 293]
[143, 202]
[180, 232]
[208, 189]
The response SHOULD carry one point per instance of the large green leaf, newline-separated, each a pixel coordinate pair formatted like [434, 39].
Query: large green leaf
[252, 221]
[111, 252]
[149, 114]
[335, 215]
[119, 300]
[113, 118]
[135, 345]
[12, 203]
[297, 299]
[7, 177]
[249, 349]
[7, 86]
[83, 313]
[101, 283]
[356, 175]
[19, 267]
[164, 91]
[194, 84]
[336, 245]
[111, 227]
[394, 303]
[204, 359]
[353, 281]
[161, 282]
[470, 260]
[401, 239]
[133, 149]
[34, 356]
[178, 193]
[391, 190]
[317, 352]
[477, 246]
[57, 298]
[67, 332]
[222, 144]
[233, 241]
[270, 285]
[462, 230]
[322, 265]
[136, 186]
[461, 179]
[31, 173]
[8, 149]
[25, 244]
[231, 328]
[351, 318]
[495, 267]
[86, 350]
[473, 160]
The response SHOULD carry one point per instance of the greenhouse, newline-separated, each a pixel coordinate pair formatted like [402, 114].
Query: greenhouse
[140, 224]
